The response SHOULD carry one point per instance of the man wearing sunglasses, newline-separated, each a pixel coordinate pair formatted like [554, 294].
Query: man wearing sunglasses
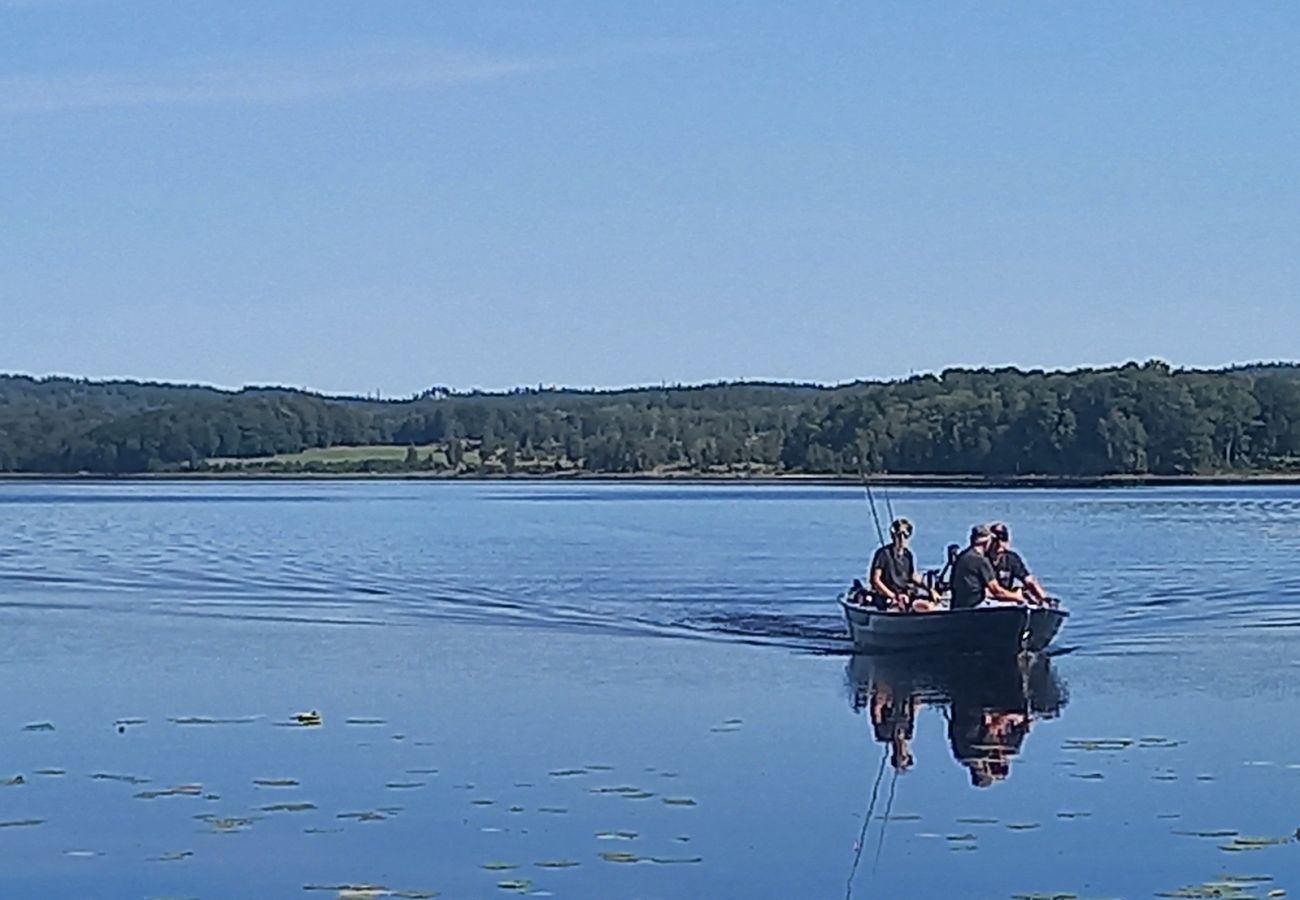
[1009, 565]
[894, 579]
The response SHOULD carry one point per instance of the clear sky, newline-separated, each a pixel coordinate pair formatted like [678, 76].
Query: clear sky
[360, 196]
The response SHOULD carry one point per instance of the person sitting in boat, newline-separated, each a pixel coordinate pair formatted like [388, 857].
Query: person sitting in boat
[1009, 565]
[894, 581]
[973, 577]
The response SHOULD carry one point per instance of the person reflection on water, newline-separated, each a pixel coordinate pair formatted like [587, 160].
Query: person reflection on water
[973, 577]
[893, 720]
[894, 580]
[984, 741]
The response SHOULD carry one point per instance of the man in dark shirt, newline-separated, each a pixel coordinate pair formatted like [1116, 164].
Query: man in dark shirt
[973, 575]
[1009, 565]
[893, 569]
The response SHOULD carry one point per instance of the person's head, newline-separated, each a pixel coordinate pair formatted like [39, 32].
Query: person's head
[900, 530]
[980, 537]
[1001, 535]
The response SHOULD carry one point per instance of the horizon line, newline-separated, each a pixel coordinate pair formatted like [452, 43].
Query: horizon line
[543, 388]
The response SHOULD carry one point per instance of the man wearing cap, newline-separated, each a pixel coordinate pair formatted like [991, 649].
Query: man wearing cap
[1009, 566]
[973, 577]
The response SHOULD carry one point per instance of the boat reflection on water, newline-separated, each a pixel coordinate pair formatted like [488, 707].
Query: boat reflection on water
[990, 705]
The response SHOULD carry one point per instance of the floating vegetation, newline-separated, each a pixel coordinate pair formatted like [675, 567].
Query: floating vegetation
[13, 782]
[1088, 776]
[599, 767]
[1204, 777]
[1157, 743]
[53, 773]
[618, 856]
[21, 823]
[111, 776]
[275, 782]
[566, 773]
[557, 864]
[39, 726]
[685, 801]
[626, 790]
[552, 810]
[362, 720]
[1093, 744]
[1073, 815]
[289, 807]
[1044, 897]
[368, 815]
[516, 809]
[515, 884]
[617, 835]
[360, 891]
[174, 857]
[123, 723]
[675, 860]
[1023, 826]
[483, 801]
[308, 719]
[180, 790]
[229, 824]
[960, 837]
[976, 820]
[1238, 844]
[1229, 887]
[638, 795]
[668, 775]
[524, 784]
[683, 839]
[403, 785]
[900, 817]
[322, 831]
[206, 720]
[421, 771]
[498, 866]
[1218, 833]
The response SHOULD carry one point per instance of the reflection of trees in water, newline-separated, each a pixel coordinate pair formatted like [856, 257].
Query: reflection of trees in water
[990, 704]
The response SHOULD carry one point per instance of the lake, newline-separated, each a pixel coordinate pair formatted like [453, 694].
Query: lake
[628, 690]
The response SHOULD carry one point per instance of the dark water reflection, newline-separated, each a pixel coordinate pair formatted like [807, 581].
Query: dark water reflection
[989, 704]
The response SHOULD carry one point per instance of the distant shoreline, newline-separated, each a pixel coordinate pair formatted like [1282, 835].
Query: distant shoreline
[937, 481]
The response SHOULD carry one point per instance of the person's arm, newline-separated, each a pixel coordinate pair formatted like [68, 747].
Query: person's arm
[998, 592]
[1021, 573]
[994, 587]
[1034, 589]
[878, 584]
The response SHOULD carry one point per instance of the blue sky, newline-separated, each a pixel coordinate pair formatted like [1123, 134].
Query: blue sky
[387, 195]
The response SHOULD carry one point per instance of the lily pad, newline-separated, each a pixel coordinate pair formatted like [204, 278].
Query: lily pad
[275, 782]
[289, 807]
[21, 823]
[39, 726]
[679, 801]
[616, 856]
[498, 866]
[557, 864]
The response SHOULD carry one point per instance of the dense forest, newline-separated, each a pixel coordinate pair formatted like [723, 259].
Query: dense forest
[1147, 419]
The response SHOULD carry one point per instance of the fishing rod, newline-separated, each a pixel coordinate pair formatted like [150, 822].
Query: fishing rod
[866, 823]
[875, 517]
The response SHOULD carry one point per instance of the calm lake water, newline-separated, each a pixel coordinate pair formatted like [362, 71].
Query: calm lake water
[631, 691]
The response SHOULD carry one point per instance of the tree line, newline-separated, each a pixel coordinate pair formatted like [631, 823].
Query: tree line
[1137, 419]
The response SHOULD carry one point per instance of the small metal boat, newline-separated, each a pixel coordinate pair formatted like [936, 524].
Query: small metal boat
[986, 629]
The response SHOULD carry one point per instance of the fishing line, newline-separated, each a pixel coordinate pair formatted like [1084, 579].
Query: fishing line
[866, 823]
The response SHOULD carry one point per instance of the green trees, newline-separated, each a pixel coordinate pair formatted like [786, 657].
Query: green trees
[1134, 419]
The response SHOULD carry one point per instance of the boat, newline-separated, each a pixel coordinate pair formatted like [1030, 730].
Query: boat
[985, 629]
